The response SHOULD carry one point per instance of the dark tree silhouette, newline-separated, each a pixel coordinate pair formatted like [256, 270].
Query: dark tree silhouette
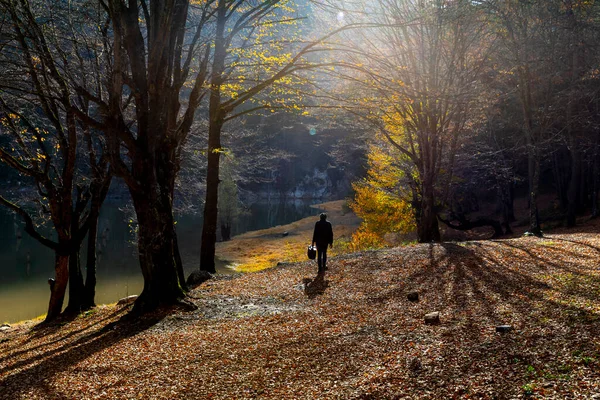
[63, 160]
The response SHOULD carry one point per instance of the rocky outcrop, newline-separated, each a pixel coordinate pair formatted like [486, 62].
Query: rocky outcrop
[315, 184]
[197, 278]
[127, 300]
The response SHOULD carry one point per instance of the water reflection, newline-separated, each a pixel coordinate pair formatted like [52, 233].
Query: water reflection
[25, 265]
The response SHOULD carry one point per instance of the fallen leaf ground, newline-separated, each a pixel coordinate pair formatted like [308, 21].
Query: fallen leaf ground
[285, 333]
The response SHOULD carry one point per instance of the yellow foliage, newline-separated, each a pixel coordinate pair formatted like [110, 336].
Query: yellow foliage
[382, 172]
[380, 201]
[364, 239]
[381, 211]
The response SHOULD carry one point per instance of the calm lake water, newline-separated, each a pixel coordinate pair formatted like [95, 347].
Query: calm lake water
[26, 265]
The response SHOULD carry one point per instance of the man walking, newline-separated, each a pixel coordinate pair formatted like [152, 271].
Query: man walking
[322, 236]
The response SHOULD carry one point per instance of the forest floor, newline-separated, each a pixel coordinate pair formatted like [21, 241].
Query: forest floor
[287, 333]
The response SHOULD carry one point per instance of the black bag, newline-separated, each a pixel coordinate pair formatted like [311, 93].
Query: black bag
[312, 252]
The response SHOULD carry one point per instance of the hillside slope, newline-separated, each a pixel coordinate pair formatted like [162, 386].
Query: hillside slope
[352, 333]
[257, 250]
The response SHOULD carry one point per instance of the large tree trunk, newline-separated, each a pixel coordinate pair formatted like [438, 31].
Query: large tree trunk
[76, 287]
[156, 253]
[428, 229]
[209, 228]
[99, 192]
[89, 295]
[216, 121]
[574, 183]
[58, 286]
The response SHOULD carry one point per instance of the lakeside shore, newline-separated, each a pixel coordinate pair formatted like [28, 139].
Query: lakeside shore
[248, 252]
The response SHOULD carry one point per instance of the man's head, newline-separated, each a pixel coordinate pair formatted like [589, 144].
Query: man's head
[323, 216]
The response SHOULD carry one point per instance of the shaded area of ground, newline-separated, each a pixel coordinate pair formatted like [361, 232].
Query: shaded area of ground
[350, 333]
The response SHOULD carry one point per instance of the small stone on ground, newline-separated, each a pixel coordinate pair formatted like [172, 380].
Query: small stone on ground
[127, 300]
[432, 318]
[504, 328]
[197, 278]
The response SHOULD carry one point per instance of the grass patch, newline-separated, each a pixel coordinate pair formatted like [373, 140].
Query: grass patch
[290, 252]
[39, 318]
[528, 389]
[88, 313]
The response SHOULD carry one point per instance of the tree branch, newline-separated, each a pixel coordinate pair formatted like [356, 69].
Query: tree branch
[29, 226]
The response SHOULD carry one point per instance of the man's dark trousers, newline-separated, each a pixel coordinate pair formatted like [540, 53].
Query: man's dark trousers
[322, 256]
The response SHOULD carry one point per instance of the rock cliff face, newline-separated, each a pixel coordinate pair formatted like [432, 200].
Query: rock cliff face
[316, 184]
[322, 165]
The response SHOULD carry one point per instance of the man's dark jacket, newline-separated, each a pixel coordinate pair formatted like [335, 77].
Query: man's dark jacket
[323, 234]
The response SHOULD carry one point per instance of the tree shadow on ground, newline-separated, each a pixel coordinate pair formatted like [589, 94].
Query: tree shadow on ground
[478, 286]
[55, 327]
[482, 270]
[39, 366]
[595, 248]
[475, 284]
[565, 263]
[316, 286]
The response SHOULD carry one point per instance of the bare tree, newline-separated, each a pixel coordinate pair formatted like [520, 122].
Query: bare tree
[43, 56]
[413, 74]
